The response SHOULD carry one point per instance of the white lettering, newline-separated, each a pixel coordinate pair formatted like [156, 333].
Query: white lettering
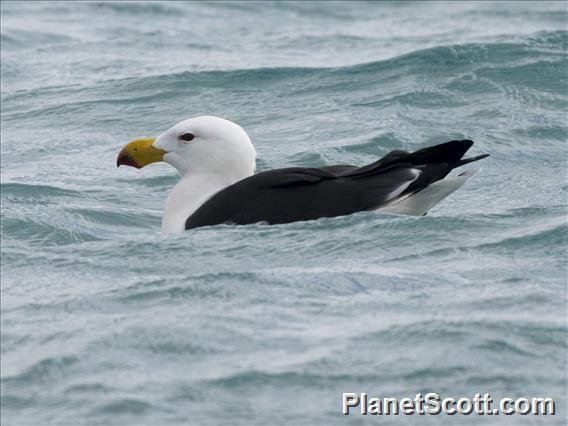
[522, 406]
[433, 402]
[446, 403]
[375, 406]
[419, 400]
[389, 403]
[503, 406]
[465, 406]
[349, 400]
[407, 406]
[548, 405]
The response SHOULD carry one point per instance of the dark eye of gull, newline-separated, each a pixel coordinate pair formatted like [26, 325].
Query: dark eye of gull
[187, 137]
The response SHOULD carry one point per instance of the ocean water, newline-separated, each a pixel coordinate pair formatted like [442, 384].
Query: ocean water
[103, 321]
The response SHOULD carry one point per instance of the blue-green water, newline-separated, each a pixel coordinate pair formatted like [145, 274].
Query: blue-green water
[105, 322]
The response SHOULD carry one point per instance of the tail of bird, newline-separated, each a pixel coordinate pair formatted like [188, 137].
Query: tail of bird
[449, 152]
[434, 184]
[464, 161]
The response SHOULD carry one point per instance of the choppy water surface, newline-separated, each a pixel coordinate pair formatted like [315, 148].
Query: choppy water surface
[106, 322]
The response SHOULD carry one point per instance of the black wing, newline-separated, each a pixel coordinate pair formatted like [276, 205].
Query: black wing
[298, 193]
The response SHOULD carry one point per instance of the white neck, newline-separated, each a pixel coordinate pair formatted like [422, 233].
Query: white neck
[188, 195]
[185, 198]
[220, 155]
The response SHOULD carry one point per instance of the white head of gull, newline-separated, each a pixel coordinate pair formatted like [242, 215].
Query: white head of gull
[210, 153]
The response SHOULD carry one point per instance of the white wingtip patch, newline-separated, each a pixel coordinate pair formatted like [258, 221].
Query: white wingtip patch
[420, 202]
[415, 173]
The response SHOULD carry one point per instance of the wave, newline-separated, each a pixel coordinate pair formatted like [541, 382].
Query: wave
[36, 190]
[470, 78]
[544, 44]
[43, 233]
[23, 38]
[543, 47]
[42, 370]
[540, 49]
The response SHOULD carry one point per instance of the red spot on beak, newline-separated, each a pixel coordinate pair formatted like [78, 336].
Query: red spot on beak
[126, 160]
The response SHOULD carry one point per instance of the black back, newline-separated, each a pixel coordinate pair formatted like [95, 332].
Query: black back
[298, 193]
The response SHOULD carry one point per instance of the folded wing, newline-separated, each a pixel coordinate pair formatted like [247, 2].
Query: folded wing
[297, 193]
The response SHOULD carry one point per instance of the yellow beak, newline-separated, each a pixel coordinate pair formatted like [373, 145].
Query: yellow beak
[139, 153]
